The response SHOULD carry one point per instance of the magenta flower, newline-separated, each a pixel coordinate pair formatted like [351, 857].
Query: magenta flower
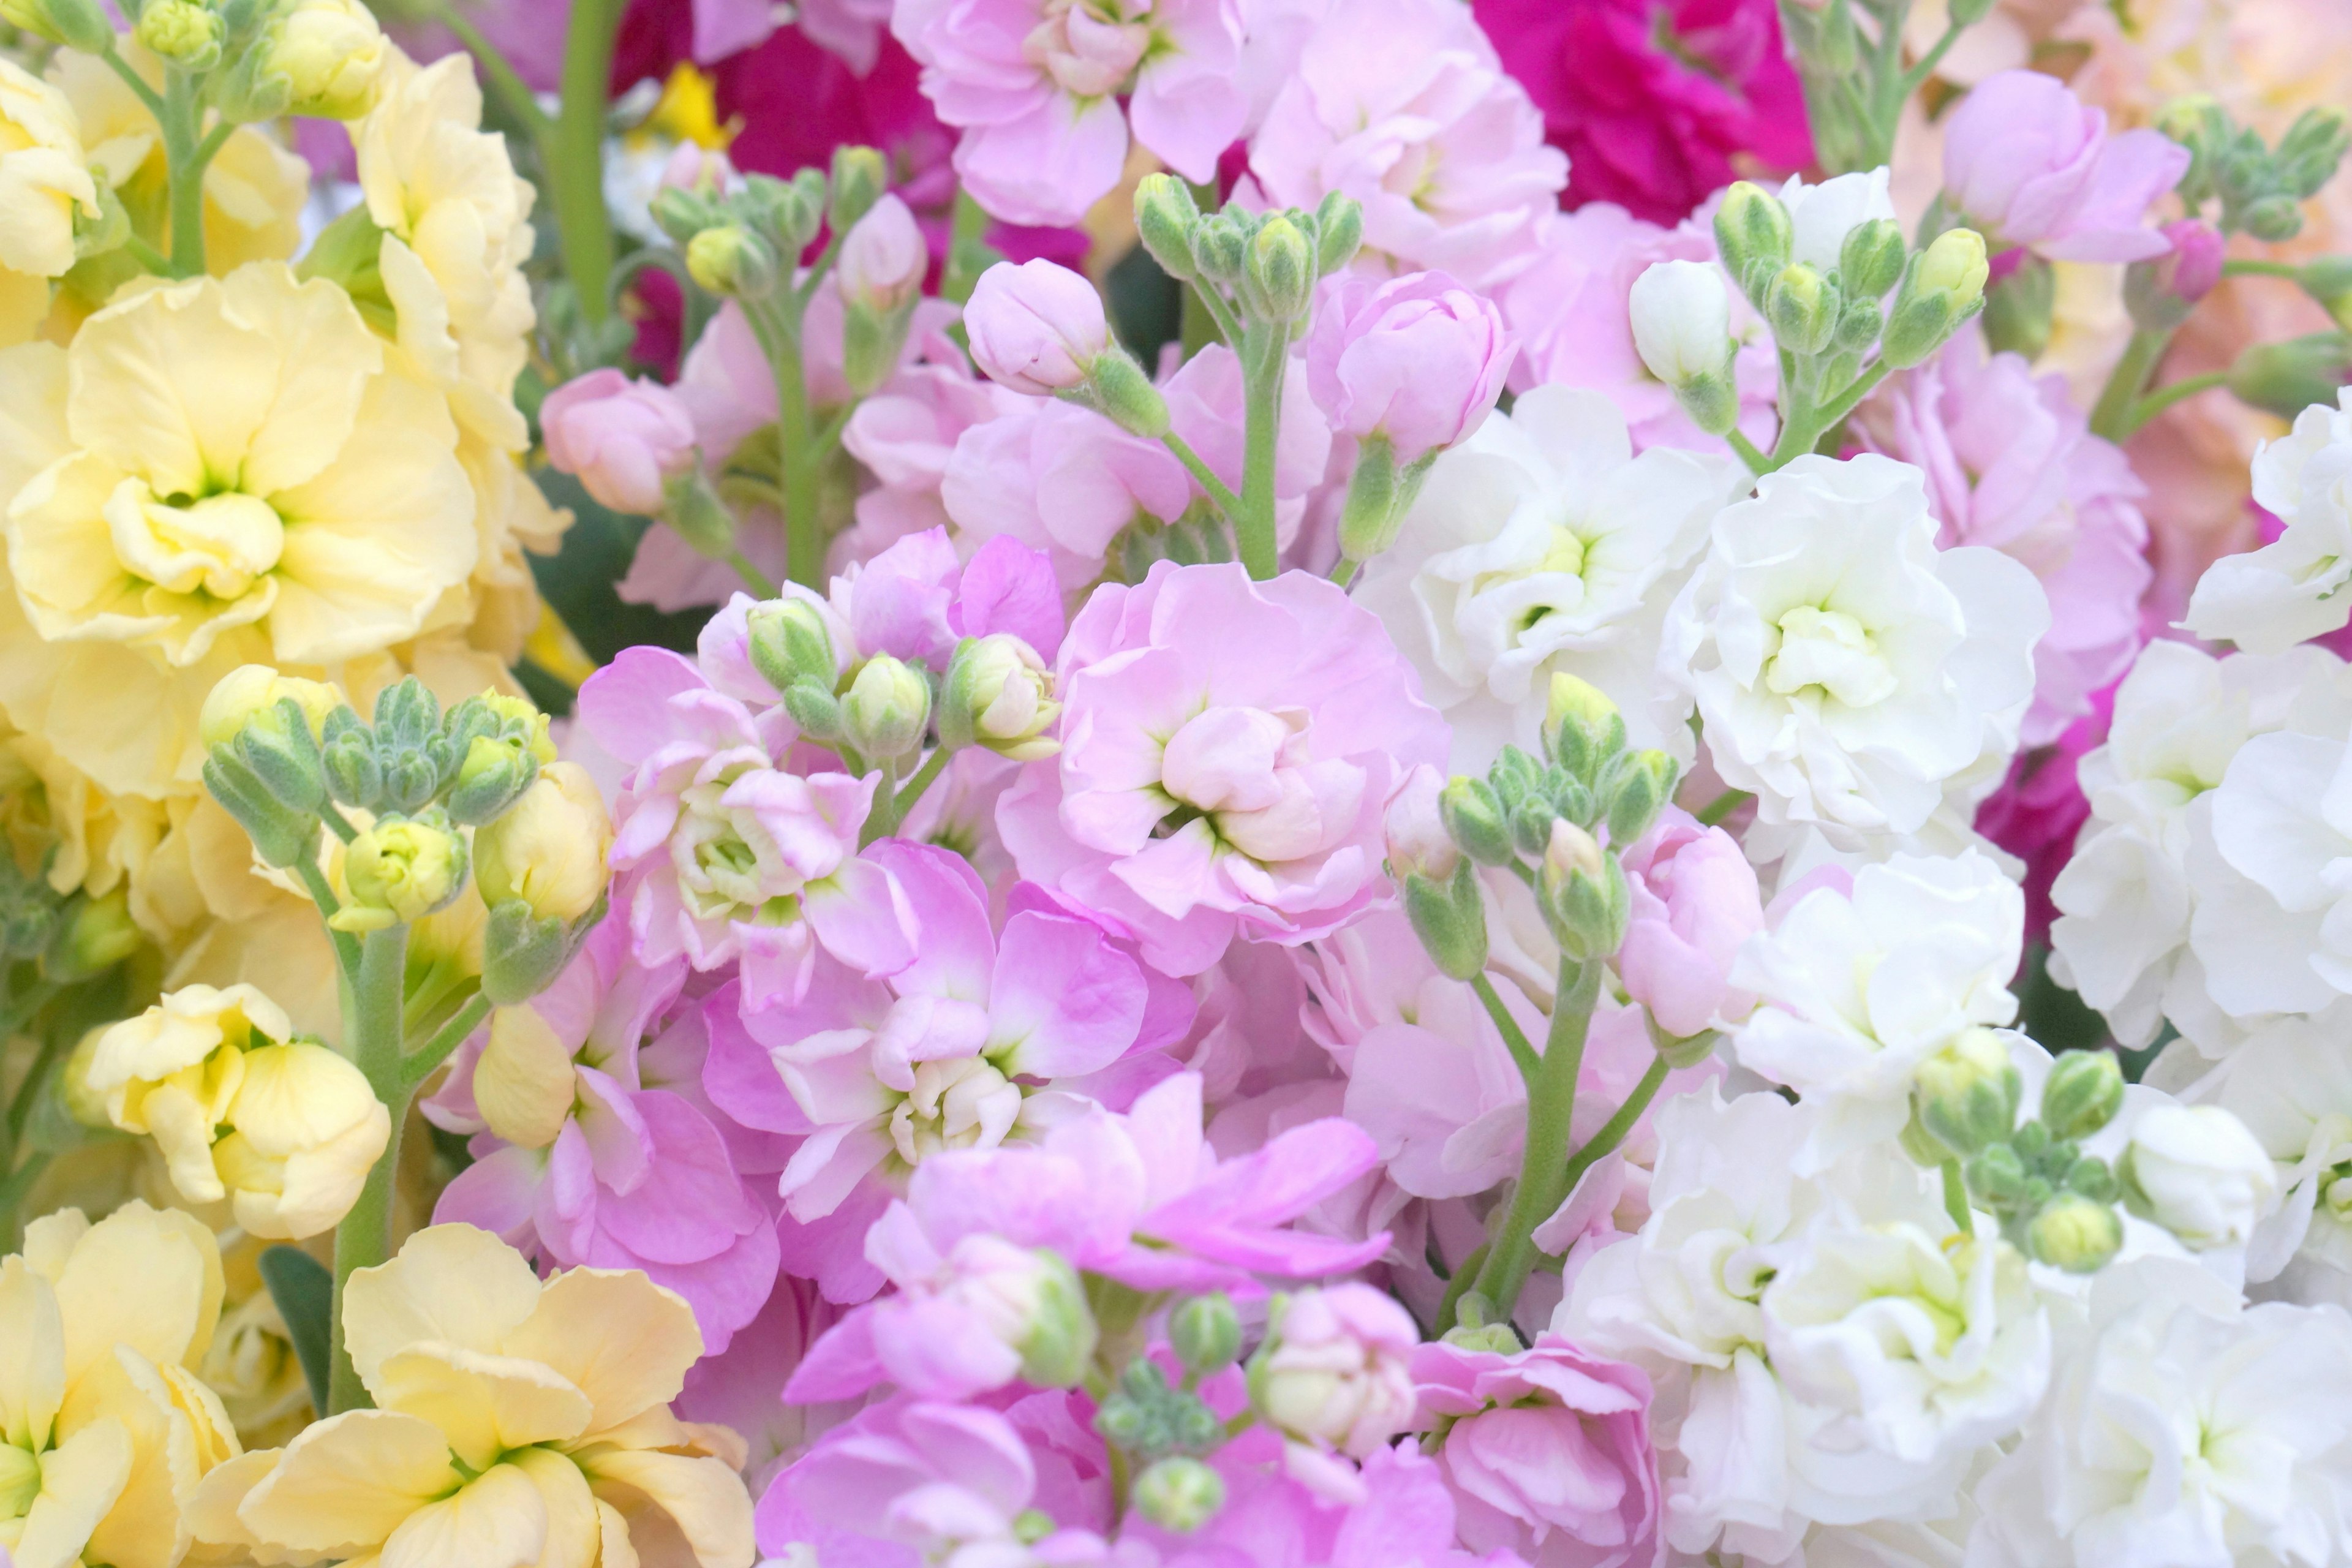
[1547, 1452]
[595, 1147]
[621, 438]
[2028, 162]
[1417, 359]
[1228, 749]
[1694, 902]
[1653, 102]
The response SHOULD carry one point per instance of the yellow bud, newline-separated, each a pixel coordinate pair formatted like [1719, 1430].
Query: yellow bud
[397, 872]
[523, 710]
[1955, 267]
[305, 1131]
[331, 53]
[549, 849]
[252, 689]
[183, 32]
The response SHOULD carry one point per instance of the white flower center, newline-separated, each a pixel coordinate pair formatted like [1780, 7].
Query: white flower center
[1087, 47]
[1830, 649]
[961, 1104]
[725, 862]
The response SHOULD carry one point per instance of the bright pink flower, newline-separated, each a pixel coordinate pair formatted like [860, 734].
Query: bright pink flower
[721, 856]
[917, 601]
[1404, 105]
[1570, 313]
[638, 1175]
[1035, 328]
[1063, 479]
[1229, 748]
[2010, 463]
[1418, 359]
[1653, 102]
[1036, 87]
[1695, 901]
[621, 438]
[1547, 1452]
[2029, 164]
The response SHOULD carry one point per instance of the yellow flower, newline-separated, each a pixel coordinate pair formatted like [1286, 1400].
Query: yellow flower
[400, 870]
[251, 1363]
[517, 1424]
[105, 1431]
[173, 1072]
[100, 840]
[45, 183]
[550, 848]
[232, 476]
[330, 52]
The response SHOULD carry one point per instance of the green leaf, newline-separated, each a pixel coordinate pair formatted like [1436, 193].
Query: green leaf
[305, 1294]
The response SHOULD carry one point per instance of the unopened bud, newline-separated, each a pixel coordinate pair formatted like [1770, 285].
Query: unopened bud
[1338, 232]
[1221, 247]
[1474, 818]
[682, 214]
[1118, 388]
[859, 177]
[2328, 280]
[2020, 309]
[1583, 894]
[98, 934]
[399, 871]
[2159, 293]
[886, 709]
[1995, 1177]
[1966, 1094]
[1803, 308]
[1371, 516]
[731, 262]
[2082, 1093]
[548, 850]
[1870, 262]
[2287, 377]
[999, 694]
[2307, 155]
[1752, 232]
[789, 642]
[77, 24]
[1449, 916]
[280, 836]
[1178, 1494]
[1278, 278]
[252, 690]
[1681, 316]
[522, 953]
[328, 53]
[183, 32]
[2074, 1233]
[1165, 216]
[1943, 287]
[2199, 1172]
[1205, 1334]
[1582, 729]
[1635, 788]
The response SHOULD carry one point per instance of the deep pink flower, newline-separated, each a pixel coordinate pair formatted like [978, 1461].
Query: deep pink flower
[1695, 901]
[2028, 162]
[1228, 750]
[1547, 1452]
[621, 438]
[1653, 102]
[1417, 359]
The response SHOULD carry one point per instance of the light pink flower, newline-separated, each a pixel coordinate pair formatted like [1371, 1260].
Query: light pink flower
[2010, 463]
[1035, 86]
[2029, 164]
[1333, 1375]
[1205, 408]
[1404, 105]
[883, 258]
[1063, 479]
[636, 1174]
[621, 438]
[917, 601]
[903, 436]
[1547, 1452]
[1695, 901]
[1418, 359]
[1229, 748]
[1035, 328]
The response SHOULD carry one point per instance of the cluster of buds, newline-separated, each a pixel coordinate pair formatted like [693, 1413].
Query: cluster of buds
[71, 937]
[1167, 1426]
[2260, 189]
[2053, 1202]
[256, 60]
[1260, 265]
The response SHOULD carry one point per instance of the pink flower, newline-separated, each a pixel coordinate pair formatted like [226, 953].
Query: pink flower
[1036, 87]
[1418, 359]
[594, 1150]
[1333, 1373]
[1547, 1452]
[1404, 105]
[719, 855]
[722, 27]
[1695, 901]
[1035, 328]
[1572, 313]
[1652, 103]
[1205, 408]
[903, 436]
[917, 601]
[621, 438]
[2040, 808]
[2029, 164]
[2010, 463]
[1229, 748]
[883, 258]
[1063, 479]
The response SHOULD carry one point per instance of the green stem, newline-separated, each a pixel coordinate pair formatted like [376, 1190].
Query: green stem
[1552, 1107]
[418, 1065]
[1956, 1198]
[505, 80]
[1612, 1131]
[347, 946]
[762, 586]
[575, 156]
[957, 278]
[797, 457]
[1449, 1306]
[180, 121]
[2250, 268]
[2164, 396]
[1929, 61]
[1722, 805]
[1343, 571]
[1198, 466]
[372, 1017]
[1263, 372]
[336, 823]
[925, 776]
[2110, 417]
[148, 257]
[13, 1188]
[20, 1108]
[1227, 326]
[1508, 1026]
[134, 82]
[1758, 463]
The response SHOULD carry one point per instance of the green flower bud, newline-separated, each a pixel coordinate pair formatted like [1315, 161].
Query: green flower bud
[1582, 893]
[1752, 232]
[183, 32]
[2082, 1093]
[253, 691]
[733, 262]
[399, 871]
[2285, 378]
[886, 710]
[1638, 787]
[95, 935]
[696, 512]
[277, 745]
[860, 176]
[492, 775]
[2093, 1178]
[355, 776]
[1178, 1494]
[814, 709]
[785, 214]
[522, 953]
[1871, 261]
[77, 24]
[1802, 307]
[1339, 233]
[1450, 917]
[999, 694]
[1278, 279]
[1837, 47]
[1165, 218]
[406, 715]
[1712, 401]
[280, 836]
[2273, 218]
[2310, 150]
[1995, 1177]
[1474, 819]
[1581, 728]
[1943, 287]
[1376, 500]
[682, 214]
[2074, 1233]
[1057, 1334]
[328, 53]
[1966, 1094]
[2019, 308]
[1205, 1334]
[1118, 388]
[790, 642]
[1221, 246]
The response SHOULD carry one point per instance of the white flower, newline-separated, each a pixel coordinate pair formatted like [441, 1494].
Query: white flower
[2184, 1429]
[1820, 217]
[2292, 1086]
[2292, 589]
[1847, 672]
[2272, 925]
[2202, 1173]
[1681, 320]
[2124, 898]
[1541, 544]
[1856, 990]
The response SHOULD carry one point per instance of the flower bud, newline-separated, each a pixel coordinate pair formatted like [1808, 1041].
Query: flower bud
[698, 514]
[1449, 916]
[731, 262]
[1118, 389]
[1178, 1494]
[1418, 840]
[174, 1074]
[1333, 1369]
[1474, 819]
[184, 32]
[1036, 327]
[815, 710]
[1636, 789]
[330, 53]
[304, 1130]
[280, 834]
[97, 934]
[1338, 232]
[2287, 377]
[1582, 892]
[2082, 1093]
[522, 953]
[1278, 278]
[1057, 1333]
[1376, 502]
[1966, 1094]
[1205, 1334]
[790, 642]
[682, 212]
[1871, 261]
[1752, 232]
[251, 691]
[2198, 1173]
[860, 174]
[886, 710]
[549, 851]
[2306, 156]
[785, 214]
[1803, 308]
[2161, 293]
[880, 270]
[1995, 1177]
[2020, 309]
[999, 694]
[1581, 728]
[2074, 1233]
[77, 24]
[400, 871]
[1943, 287]
[1221, 247]
[1165, 216]
[1681, 321]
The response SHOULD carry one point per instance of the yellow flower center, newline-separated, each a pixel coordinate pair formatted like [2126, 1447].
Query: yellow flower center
[20, 1481]
[221, 544]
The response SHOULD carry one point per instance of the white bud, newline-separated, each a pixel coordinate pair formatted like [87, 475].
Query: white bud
[2197, 1170]
[1681, 320]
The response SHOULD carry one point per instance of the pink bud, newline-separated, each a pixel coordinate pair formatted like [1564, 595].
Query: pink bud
[1037, 326]
[621, 438]
[704, 170]
[1419, 359]
[1416, 828]
[2027, 163]
[2196, 261]
[883, 259]
[1695, 901]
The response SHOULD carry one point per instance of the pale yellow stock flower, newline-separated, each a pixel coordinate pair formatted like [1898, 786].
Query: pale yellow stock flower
[515, 1424]
[549, 849]
[45, 183]
[105, 1430]
[221, 472]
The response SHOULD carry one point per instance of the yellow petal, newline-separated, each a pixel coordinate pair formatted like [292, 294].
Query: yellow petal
[81, 1479]
[451, 1282]
[142, 1277]
[24, 305]
[703, 1497]
[309, 1192]
[212, 1511]
[484, 1405]
[326, 360]
[143, 1528]
[572, 1529]
[69, 575]
[618, 1550]
[523, 1084]
[32, 1357]
[497, 1520]
[208, 1418]
[170, 387]
[622, 1340]
[349, 1481]
[32, 413]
